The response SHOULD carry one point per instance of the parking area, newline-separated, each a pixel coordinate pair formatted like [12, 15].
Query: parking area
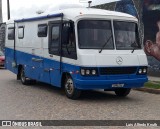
[44, 102]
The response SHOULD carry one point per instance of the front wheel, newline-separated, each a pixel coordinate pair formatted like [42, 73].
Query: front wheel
[122, 92]
[70, 90]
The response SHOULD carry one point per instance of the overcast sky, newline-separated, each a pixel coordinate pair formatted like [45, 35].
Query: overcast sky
[27, 8]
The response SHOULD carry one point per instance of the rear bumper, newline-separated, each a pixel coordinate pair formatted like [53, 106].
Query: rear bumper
[107, 84]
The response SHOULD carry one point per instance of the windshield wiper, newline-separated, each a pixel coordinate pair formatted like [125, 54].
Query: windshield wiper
[105, 43]
[133, 49]
[134, 46]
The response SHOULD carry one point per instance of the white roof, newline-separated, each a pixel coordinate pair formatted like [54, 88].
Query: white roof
[74, 13]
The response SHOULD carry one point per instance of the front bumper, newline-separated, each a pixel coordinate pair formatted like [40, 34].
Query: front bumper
[84, 84]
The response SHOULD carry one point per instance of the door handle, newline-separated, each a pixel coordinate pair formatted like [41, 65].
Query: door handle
[51, 55]
[37, 60]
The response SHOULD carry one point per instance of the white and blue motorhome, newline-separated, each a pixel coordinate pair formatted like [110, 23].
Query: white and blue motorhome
[77, 49]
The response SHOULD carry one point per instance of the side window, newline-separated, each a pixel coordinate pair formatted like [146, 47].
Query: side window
[21, 32]
[54, 39]
[11, 34]
[42, 30]
[69, 49]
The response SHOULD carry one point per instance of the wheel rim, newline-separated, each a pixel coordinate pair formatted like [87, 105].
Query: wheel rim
[23, 78]
[69, 86]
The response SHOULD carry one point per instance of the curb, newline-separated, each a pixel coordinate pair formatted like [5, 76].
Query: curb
[149, 90]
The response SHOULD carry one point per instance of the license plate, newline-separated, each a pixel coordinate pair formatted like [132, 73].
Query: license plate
[117, 85]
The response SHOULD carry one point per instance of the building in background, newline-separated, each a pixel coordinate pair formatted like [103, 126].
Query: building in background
[148, 13]
[2, 29]
[126, 6]
[2, 36]
[151, 21]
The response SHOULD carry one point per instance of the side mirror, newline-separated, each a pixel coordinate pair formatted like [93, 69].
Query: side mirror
[65, 35]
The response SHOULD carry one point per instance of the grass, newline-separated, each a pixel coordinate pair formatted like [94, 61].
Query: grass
[152, 84]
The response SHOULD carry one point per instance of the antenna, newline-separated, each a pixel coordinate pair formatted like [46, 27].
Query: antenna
[89, 4]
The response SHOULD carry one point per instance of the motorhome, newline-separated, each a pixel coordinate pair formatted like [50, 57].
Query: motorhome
[77, 49]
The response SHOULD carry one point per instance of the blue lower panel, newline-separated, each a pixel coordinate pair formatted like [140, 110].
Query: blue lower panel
[107, 84]
[40, 71]
[48, 71]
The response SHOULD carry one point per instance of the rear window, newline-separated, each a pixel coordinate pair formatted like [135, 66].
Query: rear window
[10, 33]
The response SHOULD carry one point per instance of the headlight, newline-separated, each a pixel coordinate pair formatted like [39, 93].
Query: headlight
[142, 70]
[94, 72]
[82, 72]
[89, 71]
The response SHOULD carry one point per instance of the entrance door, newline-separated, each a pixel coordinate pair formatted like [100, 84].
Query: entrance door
[55, 53]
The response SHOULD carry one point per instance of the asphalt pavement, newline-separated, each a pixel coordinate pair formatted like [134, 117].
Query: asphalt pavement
[45, 102]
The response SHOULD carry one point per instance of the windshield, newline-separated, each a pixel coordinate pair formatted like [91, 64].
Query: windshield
[97, 34]
[1, 53]
[93, 34]
[126, 35]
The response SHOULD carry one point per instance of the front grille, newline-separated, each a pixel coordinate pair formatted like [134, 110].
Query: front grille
[117, 70]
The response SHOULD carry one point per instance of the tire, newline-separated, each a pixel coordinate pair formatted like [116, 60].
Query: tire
[23, 78]
[33, 82]
[122, 92]
[70, 90]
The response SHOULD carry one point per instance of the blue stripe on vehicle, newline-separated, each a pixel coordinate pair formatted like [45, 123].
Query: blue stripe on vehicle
[39, 71]
[40, 18]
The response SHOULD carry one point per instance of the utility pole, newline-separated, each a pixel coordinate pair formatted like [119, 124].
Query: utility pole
[1, 18]
[8, 8]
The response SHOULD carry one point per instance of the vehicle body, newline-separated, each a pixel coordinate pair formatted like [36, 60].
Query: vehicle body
[2, 59]
[77, 49]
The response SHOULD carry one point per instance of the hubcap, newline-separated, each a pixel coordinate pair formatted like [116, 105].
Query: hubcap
[69, 86]
[23, 76]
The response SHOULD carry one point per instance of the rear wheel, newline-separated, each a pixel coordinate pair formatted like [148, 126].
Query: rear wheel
[70, 90]
[122, 92]
[24, 79]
